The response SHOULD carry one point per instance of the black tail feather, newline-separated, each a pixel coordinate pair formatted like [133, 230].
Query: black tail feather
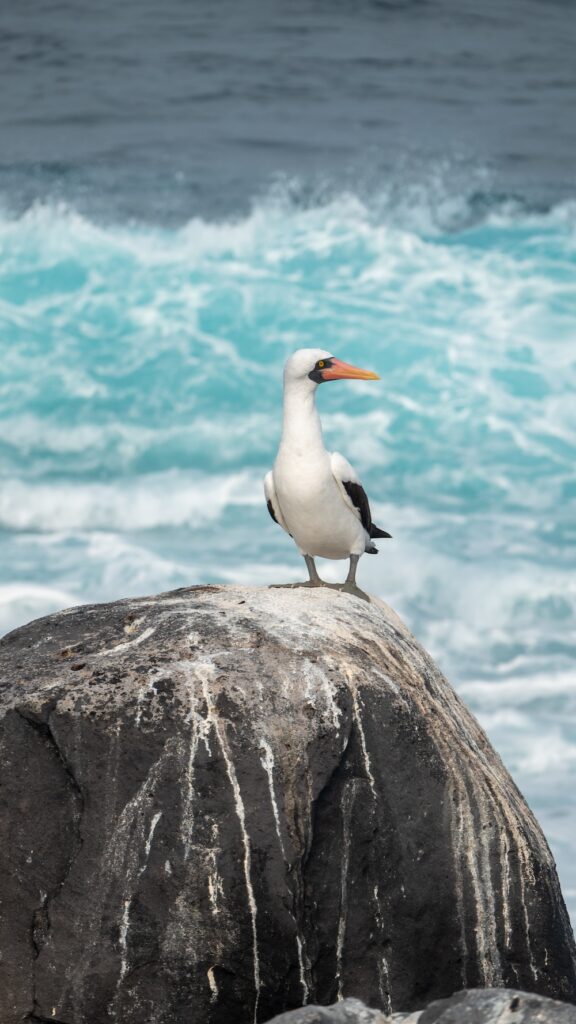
[375, 531]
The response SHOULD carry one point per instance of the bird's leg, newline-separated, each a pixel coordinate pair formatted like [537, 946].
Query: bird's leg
[351, 577]
[314, 580]
[349, 586]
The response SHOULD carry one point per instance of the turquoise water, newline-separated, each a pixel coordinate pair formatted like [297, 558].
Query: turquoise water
[140, 398]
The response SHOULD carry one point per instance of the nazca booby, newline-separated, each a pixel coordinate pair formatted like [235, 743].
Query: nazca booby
[313, 494]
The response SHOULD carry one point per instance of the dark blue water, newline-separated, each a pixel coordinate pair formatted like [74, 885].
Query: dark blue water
[165, 110]
[188, 192]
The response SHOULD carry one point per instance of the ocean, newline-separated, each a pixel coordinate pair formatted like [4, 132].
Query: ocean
[190, 192]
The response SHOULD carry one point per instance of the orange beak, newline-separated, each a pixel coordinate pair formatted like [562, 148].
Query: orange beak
[343, 371]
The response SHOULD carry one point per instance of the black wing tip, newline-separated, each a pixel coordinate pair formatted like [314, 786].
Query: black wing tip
[375, 531]
[271, 510]
[359, 499]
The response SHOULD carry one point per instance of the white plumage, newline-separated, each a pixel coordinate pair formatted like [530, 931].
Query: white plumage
[313, 494]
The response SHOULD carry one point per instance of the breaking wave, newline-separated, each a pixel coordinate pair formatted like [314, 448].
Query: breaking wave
[140, 402]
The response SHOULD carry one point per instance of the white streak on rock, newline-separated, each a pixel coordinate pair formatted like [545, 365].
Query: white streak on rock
[208, 671]
[119, 867]
[215, 883]
[139, 706]
[494, 823]
[305, 989]
[509, 827]
[148, 846]
[348, 797]
[123, 938]
[458, 848]
[382, 963]
[505, 889]
[128, 643]
[357, 714]
[267, 761]
[319, 692]
[213, 985]
[491, 964]
[469, 853]
[384, 984]
[215, 889]
[527, 874]
[200, 731]
[247, 863]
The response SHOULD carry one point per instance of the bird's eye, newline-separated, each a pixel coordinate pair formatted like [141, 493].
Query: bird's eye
[320, 364]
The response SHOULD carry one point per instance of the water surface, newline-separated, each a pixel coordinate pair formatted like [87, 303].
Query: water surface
[189, 193]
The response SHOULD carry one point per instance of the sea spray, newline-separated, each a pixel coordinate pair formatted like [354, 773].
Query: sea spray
[141, 389]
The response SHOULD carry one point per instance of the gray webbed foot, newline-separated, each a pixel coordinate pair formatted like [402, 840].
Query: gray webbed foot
[353, 590]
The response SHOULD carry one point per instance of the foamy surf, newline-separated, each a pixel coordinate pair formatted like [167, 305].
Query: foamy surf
[165, 499]
[22, 602]
[141, 390]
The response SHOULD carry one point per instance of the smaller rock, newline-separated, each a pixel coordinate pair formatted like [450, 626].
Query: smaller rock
[491, 1005]
[347, 1011]
[471, 1006]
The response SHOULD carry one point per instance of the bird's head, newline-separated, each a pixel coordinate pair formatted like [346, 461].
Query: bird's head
[315, 365]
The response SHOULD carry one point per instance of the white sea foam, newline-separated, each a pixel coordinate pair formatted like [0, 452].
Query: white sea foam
[20, 602]
[521, 689]
[171, 498]
[141, 377]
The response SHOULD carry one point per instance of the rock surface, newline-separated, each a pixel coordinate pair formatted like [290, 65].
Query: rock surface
[475, 1006]
[347, 1011]
[223, 802]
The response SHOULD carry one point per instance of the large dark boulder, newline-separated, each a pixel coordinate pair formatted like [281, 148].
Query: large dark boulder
[222, 802]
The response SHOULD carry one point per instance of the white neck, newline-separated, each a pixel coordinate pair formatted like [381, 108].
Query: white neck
[301, 427]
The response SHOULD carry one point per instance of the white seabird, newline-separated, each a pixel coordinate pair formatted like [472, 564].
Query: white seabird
[313, 494]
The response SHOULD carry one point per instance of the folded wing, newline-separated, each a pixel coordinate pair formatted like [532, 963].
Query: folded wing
[354, 494]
